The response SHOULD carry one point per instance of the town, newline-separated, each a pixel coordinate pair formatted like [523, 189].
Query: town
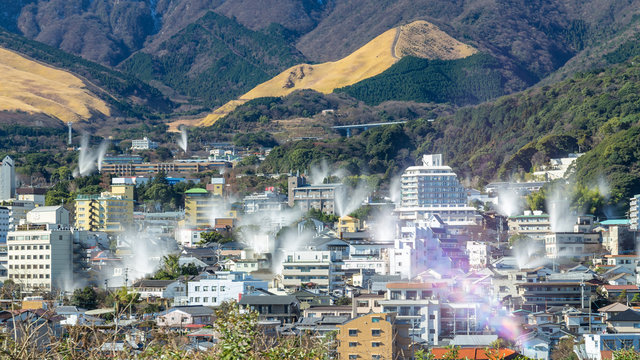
[426, 268]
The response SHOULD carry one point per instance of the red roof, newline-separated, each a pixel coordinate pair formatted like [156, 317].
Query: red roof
[473, 353]
[606, 354]
[620, 287]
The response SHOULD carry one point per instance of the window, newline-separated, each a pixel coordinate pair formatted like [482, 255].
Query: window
[351, 356]
[375, 332]
[609, 345]
[375, 319]
[214, 288]
[205, 299]
[376, 357]
[353, 332]
[205, 288]
[197, 288]
[353, 344]
[375, 344]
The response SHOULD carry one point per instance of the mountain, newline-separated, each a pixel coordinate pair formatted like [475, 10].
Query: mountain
[30, 87]
[418, 39]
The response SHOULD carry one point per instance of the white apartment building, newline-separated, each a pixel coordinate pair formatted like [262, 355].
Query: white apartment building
[18, 212]
[478, 254]
[633, 212]
[267, 201]
[433, 188]
[572, 244]
[36, 195]
[417, 249]
[223, 286]
[41, 259]
[143, 144]
[318, 269]
[7, 179]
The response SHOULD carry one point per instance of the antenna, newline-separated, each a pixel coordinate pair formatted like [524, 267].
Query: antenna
[69, 124]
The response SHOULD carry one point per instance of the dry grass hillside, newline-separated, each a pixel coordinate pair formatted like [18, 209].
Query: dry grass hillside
[30, 87]
[419, 38]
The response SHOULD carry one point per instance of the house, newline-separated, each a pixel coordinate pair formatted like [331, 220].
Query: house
[310, 299]
[614, 291]
[627, 321]
[285, 309]
[164, 289]
[213, 290]
[601, 346]
[374, 336]
[186, 315]
[612, 310]
[621, 279]
[466, 341]
[535, 345]
[320, 311]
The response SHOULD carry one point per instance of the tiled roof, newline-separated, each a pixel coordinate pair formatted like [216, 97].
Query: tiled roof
[473, 353]
[620, 287]
[627, 315]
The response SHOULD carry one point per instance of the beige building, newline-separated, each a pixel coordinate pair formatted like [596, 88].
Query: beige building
[110, 211]
[374, 336]
[40, 258]
[532, 224]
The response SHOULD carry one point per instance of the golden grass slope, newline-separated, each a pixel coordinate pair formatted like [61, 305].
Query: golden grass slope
[419, 38]
[28, 86]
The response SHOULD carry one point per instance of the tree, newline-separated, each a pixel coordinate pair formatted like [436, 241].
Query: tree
[564, 350]
[85, 298]
[237, 332]
[626, 354]
[211, 237]
[636, 298]
[622, 298]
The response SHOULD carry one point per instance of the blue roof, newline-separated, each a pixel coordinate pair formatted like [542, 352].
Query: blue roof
[615, 222]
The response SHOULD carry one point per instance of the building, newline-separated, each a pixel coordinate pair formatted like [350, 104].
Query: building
[269, 201]
[41, 258]
[633, 212]
[538, 296]
[433, 189]
[18, 212]
[50, 215]
[109, 211]
[320, 197]
[216, 188]
[601, 346]
[347, 224]
[533, 224]
[285, 309]
[143, 144]
[313, 269]
[572, 245]
[186, 315]
[7, 179]
[375, 336]
[36, 195]
[4, 224]
[213, 290]
[176, 167]
[479, 254]
[202, 211]
[416, 250]
[161, 289]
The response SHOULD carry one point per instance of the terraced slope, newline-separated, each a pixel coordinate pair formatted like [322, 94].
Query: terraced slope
[28, 86]
[420, 39]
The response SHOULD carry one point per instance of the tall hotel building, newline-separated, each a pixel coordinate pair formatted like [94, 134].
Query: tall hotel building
[433, 189]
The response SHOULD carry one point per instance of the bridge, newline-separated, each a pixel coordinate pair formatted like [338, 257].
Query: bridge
[366, 127]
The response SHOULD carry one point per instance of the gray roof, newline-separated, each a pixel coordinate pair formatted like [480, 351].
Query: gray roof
[627, 315]
[192, 310]
[474, 340]
[268, 300]
[46, 208]
[68, 309]
[153, 283]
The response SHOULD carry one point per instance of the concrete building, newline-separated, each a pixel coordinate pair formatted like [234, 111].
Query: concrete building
[4, 224]
[533, 224]
[176, 167]
[417, 249]
[18, 212]
[268, 201]
[600, 346]
[182, 316]
[49, 215]
[143, 144]
[213, 290]
[7, 179]
[42, 258]
[317, 269]
[633, 212]
[433, 189]
[375, 336]
[216, 187]
[36, 195]
[572, 245]
[319, 197]
[109, 211]
[479, 254]
[538, 296]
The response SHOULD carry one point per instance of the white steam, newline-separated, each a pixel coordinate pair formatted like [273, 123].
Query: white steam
[89, 159]
[395, 190]
[352, 199]
[182, 140]
[559, 207]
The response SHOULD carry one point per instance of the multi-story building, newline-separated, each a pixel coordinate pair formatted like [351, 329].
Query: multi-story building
[600, 346]
[433, 189]
[270, 200]
[7, 179]
[416, 250]
[319, 197]
[572, 245]
[4, 224]
[202, 210]
[4, 262]
[143, 144]
[479, 253]
[36, 195]
[51, 215]
[213, 290]
[176, 167]
[41, 259]
[109, 211]
[538, 296]
[216, 187]
[375, 336]
[18, 211]
[633, 212]
[318, 269]
[533, 224]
